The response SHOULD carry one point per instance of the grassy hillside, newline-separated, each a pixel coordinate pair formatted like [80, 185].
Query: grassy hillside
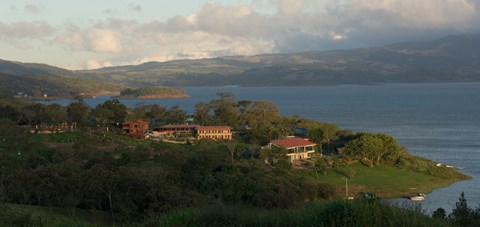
[385, 180]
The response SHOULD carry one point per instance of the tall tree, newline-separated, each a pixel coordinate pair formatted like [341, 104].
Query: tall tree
[56, 113]
[175, 115]
[202, 114]
[78, 112]
[111, 112]
[225, 109]
[462, 214]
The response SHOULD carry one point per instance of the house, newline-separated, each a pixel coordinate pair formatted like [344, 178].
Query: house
[135, 129]
[175, 131]
[214, 132]
[195, 131]
[297, 148]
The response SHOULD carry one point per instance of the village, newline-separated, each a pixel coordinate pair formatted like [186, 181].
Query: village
[299, 150]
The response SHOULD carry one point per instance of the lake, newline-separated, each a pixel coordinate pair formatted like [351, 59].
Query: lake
[437, 121]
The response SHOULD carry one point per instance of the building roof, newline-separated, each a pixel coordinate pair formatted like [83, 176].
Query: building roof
[177, 126]
[293, 142]
[213, 128]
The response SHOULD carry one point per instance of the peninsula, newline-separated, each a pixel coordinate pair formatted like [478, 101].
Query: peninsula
[153, 93]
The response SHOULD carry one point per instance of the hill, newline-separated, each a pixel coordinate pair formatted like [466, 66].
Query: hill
[453, 58]
[53, 86]
[450, 59]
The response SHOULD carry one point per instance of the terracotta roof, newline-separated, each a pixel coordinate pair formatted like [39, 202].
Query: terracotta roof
[178, 126]
[213, 128]
[293, 142]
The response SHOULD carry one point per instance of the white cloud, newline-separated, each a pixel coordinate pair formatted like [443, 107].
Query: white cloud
[263, 26]
[104, 41]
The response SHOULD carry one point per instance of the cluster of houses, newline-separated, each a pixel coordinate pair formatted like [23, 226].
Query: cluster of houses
[298, 149]
[139, 129]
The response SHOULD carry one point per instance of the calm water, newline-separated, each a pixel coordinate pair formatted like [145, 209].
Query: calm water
[437, 121]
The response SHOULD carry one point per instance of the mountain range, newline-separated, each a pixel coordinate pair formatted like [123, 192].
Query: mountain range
[454, 58]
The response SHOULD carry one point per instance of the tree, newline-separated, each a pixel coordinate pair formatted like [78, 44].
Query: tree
[391, 150]
[106, 181]
[10, 112]
[202, 114]
[316, 135]
[16, 138]
[225, 109]
[462, 215]
[152, 113]
[78, 112]
[276, 156]
[231, 145]
[110, 112]
[373, 148]
[366, 147]
[440, 213]
[259, 112]
[137, 113]
[329, 133]
[322, 165]
[175, 115]
[56, 113]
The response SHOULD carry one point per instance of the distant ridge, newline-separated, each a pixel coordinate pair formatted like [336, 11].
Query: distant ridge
[454, 58]
[37, 80]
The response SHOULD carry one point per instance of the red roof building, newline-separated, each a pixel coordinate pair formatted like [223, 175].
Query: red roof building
[297, 148]
[197, 131]
[135, 129]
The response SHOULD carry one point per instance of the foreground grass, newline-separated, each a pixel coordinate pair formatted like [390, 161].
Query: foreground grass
[333, 213]
[386, 181]
[26, 215]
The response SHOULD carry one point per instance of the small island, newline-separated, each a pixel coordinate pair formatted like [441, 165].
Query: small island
[153, 93]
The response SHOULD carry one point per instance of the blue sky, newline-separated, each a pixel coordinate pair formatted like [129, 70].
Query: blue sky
[91, 34]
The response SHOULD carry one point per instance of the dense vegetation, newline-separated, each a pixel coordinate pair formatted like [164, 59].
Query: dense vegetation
[153, 92]
[92, 166]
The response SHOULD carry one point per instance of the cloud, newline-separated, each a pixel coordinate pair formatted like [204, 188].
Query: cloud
[21, 34]
[290, 7]
[264, 26]
[95, 64]
[135, 7]
[32, 8]
[104, 41]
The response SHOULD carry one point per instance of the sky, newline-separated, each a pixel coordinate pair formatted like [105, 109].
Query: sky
[92, 34]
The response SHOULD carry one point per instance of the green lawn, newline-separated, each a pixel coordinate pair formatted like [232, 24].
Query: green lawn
[385, 181]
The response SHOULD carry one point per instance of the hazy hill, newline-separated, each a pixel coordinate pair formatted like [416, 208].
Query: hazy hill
[450, 59]
[52, 85]
[23, 69]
